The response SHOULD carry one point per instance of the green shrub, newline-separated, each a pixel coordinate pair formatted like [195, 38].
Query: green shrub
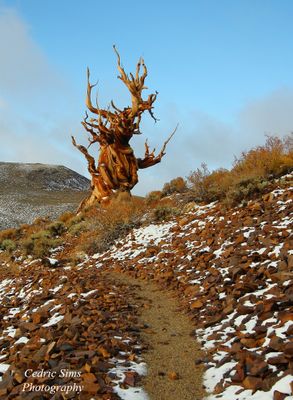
[39, 244]
[57, 228]
[78, 228]
[244, 190]
[8, 245]
[162, 213]
[76, 219]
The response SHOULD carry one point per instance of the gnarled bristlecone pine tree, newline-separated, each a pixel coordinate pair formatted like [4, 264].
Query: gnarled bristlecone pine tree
[112, 129]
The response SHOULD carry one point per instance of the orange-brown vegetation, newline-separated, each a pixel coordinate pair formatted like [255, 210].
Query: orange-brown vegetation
[250, 173]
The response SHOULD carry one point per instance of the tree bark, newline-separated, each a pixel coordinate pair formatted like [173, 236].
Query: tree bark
[117, 167]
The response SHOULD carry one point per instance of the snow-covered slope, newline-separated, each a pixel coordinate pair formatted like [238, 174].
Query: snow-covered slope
[230, 269]
[233, 271]
[28, 191]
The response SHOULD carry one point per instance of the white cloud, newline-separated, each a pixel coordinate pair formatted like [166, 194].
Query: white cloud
[24, 70]
[272, 114]
[37, 110]
[203, 138]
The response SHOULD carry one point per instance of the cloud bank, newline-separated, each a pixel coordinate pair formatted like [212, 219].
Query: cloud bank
[35, 100]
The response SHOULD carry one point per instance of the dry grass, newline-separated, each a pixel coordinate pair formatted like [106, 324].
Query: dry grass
[98, 227]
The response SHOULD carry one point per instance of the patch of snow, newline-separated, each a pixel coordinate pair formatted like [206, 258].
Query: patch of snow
[53, 261]
[131, 393]
[3, 369]
[22, 339]
[56, 289]
[276, 250]
[213, 375]
[54, 320]
[86, 294]
[237, 392]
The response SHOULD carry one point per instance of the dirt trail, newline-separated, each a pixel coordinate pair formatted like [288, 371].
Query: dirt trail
[172, 351]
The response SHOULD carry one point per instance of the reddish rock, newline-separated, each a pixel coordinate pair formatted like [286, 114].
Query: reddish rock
[130, 378]
[257, 368]
[196, 304]
[279, 395]
[173, 375]
[253, 383]
[279, 359]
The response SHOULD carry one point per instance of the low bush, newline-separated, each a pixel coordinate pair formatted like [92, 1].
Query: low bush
[177, 185]
[77, 229]
[272, 159]
[99, 227]
[11, 233]
[57, 228]
[163, 213]
[153, 196]
[249, 175]
[8, 245]
[244, 190]
[65, 217]
[39, 244]
[105, 238]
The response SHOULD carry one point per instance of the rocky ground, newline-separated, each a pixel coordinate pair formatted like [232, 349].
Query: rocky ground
[230, 272]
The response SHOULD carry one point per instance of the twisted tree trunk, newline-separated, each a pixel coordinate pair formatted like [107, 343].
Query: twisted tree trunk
[117, 166]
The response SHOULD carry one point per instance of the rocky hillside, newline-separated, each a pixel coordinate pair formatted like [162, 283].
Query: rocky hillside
[28, 191]
[230, 270]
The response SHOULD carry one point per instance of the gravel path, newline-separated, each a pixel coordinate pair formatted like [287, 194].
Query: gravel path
[171, 349]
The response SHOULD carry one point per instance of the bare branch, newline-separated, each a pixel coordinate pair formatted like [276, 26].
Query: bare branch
[91, 161]
[150, 159]
[115, 108]
[88, 100]
[136, 85]
[162, 152]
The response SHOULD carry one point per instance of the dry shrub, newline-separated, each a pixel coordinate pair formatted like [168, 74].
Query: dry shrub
[9, 234]
[101, 226]
[39, 244]
[273, 159]
[153, 196]
[177, 185]
[209, 186]
[163, 213]
[250, 173]
[65, 217]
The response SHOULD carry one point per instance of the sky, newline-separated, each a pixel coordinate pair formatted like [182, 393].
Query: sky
[223, 70]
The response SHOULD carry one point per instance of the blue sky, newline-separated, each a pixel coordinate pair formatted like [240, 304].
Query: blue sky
[223, 70]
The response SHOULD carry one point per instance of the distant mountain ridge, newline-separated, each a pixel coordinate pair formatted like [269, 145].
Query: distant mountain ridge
[40, 176]
[28, 191]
